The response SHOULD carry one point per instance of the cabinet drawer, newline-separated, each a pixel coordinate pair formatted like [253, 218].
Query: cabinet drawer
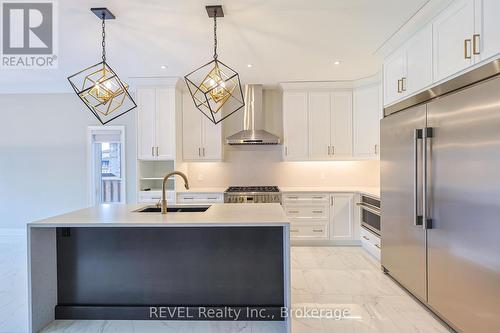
[369, 237]
[306, 198]
[154, 197]
[309, 231]
[370, 242]
[186, 198]
[307, 212]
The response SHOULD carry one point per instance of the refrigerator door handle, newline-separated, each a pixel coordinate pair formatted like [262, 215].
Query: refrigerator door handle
[428, 134]
[417, 140]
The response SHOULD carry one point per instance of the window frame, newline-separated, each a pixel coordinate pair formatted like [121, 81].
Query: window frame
[91, 188]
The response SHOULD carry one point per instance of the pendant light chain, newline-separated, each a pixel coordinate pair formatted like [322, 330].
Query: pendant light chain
[103, 38]
[215, 34]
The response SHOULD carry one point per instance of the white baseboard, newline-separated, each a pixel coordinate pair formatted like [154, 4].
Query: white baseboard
[13, 232]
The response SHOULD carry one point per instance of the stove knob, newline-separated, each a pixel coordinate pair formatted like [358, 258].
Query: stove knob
[241, 199]
[264, 198]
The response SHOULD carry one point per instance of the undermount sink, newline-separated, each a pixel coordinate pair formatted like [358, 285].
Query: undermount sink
[174, 209]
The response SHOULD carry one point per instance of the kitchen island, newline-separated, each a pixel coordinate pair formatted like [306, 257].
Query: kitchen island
[112, 262]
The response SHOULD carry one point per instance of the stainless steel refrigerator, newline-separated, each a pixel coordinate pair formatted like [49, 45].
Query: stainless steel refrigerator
[440, 199]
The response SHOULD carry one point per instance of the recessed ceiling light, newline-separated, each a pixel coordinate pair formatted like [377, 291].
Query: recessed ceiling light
[249, 65]
[163, 67]
[337, 62]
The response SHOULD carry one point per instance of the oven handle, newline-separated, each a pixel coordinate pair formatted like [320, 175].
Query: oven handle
[372, 209]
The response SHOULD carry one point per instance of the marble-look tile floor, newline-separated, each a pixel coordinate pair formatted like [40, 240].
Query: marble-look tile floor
[327, 279]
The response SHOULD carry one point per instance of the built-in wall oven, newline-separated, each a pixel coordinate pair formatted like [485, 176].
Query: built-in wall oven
[370, 213]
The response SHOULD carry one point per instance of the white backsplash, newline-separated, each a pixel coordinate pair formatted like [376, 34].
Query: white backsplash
[263, 165]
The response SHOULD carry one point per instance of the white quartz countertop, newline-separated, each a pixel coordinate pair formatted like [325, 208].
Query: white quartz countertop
[372, 191]
[110, 215]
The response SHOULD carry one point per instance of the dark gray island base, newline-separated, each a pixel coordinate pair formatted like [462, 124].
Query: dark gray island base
[230, 263]
[177, 273]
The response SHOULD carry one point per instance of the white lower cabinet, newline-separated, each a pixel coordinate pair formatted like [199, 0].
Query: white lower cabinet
[342, 217]
[309, 214]
[320, 216]
[199, 198]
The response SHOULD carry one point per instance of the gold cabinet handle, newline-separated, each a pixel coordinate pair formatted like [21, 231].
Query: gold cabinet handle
[317, 230]
[376, 149]
[157, 151]
[476, 39]
[403, 84]
[317, 211]
[199, 152]
[378, 246]
[152, 151]
[318, 197]
[399, 87]
[294, 230]
[366, 238]
[293, 211]
[467, 45]
[286, 151]
[328, 150]
[333, 150]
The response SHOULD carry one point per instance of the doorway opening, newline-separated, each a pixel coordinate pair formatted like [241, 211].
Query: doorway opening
[106, 164]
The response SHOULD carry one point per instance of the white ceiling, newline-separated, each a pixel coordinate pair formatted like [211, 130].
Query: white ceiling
[284, 40]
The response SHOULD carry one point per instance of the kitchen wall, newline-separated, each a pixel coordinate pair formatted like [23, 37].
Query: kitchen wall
[263, 165]
[43, 167]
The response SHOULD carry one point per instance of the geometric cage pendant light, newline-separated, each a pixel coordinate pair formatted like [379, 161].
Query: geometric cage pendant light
[215, 87]
[99, 87]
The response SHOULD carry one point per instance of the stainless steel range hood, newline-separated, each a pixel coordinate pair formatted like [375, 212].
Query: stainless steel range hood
[253, 132]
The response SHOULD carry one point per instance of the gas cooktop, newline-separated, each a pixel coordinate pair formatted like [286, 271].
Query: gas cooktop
[252, 189]
[252, 194]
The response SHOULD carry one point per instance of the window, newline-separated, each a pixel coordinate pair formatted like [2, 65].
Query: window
[106, 164]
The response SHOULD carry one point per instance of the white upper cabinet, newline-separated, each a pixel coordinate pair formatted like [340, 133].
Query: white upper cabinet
[146, 123]
[460, 38]
[418, 62]
[212, 140]
[156, 123]
[165, 124]
[341, 125]
[201, 138]
[295, 125]
[320, 123]
[409, 69]
[367, 110]
[330, 125]
[486, 40]
[394, 71]
[453, 32]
